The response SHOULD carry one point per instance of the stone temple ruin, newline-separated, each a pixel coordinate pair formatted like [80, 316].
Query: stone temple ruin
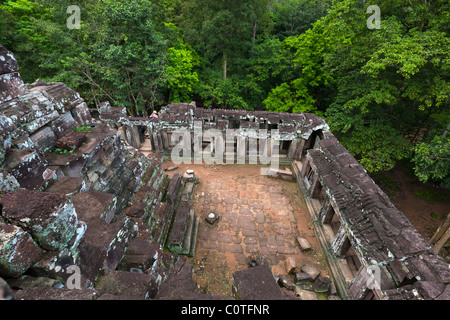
[76, 195]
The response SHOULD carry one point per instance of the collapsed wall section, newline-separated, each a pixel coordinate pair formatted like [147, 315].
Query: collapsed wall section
[69, 190]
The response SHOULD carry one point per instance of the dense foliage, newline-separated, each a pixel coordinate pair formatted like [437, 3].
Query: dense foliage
[384, 91]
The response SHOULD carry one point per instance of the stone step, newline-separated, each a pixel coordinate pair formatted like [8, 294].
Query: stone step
[68, 186]
[104, 245]
[141, 254]
[188, 192]
[91, 205]
[194, 237]
[187, 242]
[161, 224]
[173, 188]
[177, 233]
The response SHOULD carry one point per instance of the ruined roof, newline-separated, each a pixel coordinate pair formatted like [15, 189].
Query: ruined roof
[381, 233]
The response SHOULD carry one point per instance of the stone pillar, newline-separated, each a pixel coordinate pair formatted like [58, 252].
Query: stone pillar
[132, 134]
[165, 139]
[299, 150]
[241, 149]
[305, 167]
[292, 149]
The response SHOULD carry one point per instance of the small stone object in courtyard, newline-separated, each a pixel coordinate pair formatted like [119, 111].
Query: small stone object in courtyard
[188, 176]
[211, 218]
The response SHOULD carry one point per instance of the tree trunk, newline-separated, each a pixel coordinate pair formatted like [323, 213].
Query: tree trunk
[224, 66]
[441, 230]
[254, 30]
[438, 246]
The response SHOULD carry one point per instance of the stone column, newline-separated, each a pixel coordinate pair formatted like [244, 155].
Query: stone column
[165, 139]
[292, 149]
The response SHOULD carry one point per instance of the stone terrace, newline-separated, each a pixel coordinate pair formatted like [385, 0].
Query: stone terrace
[258, 217]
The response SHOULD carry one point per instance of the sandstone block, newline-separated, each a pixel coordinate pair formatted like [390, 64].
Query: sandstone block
[18, 251]
[64, 124]
[104, 245]
[61, 96]
[49, 217]
[8, 62]
[44, 140]
[11, 86]
[256, 283]
[81, 114]
[71, 141]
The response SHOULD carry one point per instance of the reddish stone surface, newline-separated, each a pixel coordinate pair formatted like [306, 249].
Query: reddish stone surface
[29, 204]
[71, 141]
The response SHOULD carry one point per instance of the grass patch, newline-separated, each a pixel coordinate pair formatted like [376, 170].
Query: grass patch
[84, 129]
[433, 195]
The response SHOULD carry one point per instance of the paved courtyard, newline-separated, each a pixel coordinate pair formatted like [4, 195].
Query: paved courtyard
[259, 216]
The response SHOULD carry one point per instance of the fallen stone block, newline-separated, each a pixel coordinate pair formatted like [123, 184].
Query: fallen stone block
[18, 251]
[302, 278]
[305, 294]
[188, 192]
[311, 270]
[27, 166]
[281, 174]
[61, 96]
[180, 285]
[49, 217]
[173, 188]
[26, 281]
[291, 266]
[255, 283]
[322, 285]
[23, 143]
[286, 282]
[304, 244]
[177, 234]
[59, 265]
[189, 176]
[35, 125]
[81, 114]
[188, 238]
